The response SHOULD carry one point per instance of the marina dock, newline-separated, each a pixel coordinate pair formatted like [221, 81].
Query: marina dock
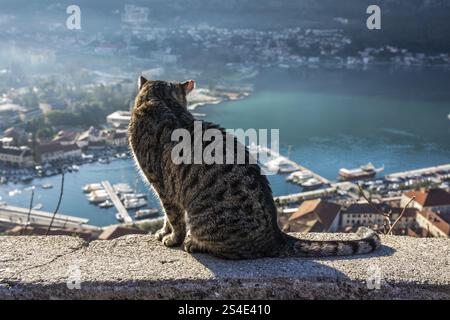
[429, 170]
[19, 216]
[295, 197]
[116, 201]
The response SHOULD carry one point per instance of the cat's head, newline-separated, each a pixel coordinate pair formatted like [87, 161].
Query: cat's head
[175, 91]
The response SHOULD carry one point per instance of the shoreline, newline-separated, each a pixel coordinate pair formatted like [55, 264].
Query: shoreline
[203, 97]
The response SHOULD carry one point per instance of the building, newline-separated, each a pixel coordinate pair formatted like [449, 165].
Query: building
[119, 119]
[56, 151]
[47, 107]
[7, 141]
[92, 138]
[363, 214]
[28, 114]
[16, 156]
[65, 137]
[18, 135]
[436, 224]
[360, 214]
[10, 114]
[314, 216]
[117, 138]
[436, 199]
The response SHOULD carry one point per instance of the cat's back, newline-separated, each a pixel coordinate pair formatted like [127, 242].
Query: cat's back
[229, 204]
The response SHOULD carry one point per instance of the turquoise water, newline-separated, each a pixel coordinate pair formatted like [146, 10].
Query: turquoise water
[331, 119]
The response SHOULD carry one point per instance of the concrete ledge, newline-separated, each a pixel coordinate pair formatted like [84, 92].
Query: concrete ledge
[139, 267]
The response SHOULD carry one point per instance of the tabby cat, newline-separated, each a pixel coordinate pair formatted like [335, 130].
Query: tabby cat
[226, 210]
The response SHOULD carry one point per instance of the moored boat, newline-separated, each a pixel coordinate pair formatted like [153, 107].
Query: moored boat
[363, 172]
[146, 213]
[106, 204]
[131, 196]
[92, 187]
[299, 177]
[123, 188]
[98, 196]
[312, 184]
[135, 203]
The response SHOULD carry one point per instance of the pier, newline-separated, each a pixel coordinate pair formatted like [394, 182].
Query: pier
[295, 197]
[429, 170]
[19, 216]
[116, 201]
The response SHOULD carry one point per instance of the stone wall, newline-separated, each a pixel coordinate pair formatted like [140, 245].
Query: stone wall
[136, 267]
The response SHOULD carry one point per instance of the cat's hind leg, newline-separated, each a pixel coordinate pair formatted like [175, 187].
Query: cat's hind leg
[190, 245]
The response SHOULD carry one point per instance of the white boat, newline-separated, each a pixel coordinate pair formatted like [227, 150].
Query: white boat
[104, 160]
[146, 213]
[98, 196]
[280, 164]
[88, 157]
[130, 196]
[14, 192]
[299, 176]
[106, 204]
[92, 187]
[121, 155]
[135, 203]
[312, 183]
[122, 188]
[75, 167]
[47, 186]
[39, 206]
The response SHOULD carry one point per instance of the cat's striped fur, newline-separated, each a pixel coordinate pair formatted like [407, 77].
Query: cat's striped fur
[226, 210]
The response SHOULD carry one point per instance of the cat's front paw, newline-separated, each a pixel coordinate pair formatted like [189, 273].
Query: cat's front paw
[188, 245]
[161, 233]
[171, 240]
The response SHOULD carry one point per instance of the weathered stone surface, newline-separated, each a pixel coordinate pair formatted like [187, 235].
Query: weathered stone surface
[136, 267]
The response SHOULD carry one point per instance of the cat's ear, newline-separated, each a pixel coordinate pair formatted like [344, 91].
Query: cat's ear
[141, 82]
[188, 86]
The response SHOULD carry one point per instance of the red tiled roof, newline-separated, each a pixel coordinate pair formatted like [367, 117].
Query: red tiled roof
[432, 198]
[323, 211]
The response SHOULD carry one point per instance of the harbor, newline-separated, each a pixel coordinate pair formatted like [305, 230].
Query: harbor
[122, 197]
[87, 197]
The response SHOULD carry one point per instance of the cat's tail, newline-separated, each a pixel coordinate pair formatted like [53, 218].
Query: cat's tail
[292, 247]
